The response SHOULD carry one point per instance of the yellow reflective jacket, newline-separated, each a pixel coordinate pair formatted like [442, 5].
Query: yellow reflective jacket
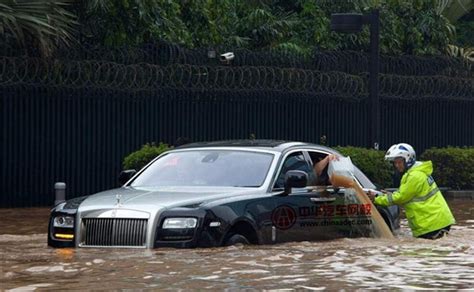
[425, 207]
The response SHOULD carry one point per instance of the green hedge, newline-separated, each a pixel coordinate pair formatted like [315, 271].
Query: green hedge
[140, 158]
[453, 166]
[371, 162]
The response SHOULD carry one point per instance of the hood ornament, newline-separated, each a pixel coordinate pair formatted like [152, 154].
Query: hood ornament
[118, 198]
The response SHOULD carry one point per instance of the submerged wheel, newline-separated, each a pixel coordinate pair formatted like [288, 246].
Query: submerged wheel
[236, 239]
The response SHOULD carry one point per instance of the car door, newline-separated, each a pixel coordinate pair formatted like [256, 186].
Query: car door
[338, 212]
[297, 216]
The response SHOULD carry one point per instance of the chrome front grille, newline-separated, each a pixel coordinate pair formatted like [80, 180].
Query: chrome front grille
[113, 232]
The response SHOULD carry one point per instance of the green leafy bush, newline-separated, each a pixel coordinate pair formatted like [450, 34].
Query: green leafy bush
[371, 162]
[140, 158]
[453, 166]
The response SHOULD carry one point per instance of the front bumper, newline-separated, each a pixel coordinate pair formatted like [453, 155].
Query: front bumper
[209, 231]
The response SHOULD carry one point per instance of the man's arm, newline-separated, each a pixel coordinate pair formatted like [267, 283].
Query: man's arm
[406, 192]
[319, 167]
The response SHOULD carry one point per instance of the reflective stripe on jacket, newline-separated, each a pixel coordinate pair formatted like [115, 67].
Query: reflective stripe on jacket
[425, 206]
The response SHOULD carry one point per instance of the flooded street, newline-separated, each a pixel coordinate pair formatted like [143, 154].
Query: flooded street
[402, 263]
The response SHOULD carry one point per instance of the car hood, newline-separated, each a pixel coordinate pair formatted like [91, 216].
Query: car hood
[163, 197]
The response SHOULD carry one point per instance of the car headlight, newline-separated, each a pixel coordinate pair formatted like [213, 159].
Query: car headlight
[63, 221]
[179, 223]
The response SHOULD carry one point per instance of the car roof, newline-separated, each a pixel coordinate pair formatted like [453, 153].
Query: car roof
[275, 145]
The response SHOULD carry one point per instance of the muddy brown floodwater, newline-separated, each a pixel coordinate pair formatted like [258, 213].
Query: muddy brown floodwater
[27, 263]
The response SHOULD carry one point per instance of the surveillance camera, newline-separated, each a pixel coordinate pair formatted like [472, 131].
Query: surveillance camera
[227, 57]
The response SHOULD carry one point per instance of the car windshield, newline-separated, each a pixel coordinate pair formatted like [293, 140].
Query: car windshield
[207, 168]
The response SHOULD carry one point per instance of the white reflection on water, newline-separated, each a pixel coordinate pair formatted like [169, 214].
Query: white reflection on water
[360, 264]
[403, 263]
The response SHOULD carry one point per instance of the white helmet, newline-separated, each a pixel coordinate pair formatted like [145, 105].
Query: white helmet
[402, 150]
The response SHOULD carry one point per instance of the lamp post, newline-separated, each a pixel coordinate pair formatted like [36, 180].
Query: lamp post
[352, 23]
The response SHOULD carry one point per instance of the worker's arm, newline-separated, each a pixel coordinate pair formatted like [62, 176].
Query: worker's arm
[406, 192]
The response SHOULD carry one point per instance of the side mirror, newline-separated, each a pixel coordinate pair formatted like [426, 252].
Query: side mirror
[125, 175]
[295, 179]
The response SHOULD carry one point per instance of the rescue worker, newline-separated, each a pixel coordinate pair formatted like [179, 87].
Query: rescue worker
[427, 212]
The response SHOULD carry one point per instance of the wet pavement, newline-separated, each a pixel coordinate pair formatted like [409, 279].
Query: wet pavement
[26, 263]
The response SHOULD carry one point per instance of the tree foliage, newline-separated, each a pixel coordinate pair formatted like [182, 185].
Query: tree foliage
[37, 24]
[407, 26]
[465, 31]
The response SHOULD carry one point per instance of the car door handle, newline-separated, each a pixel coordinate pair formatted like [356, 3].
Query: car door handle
[323, 200]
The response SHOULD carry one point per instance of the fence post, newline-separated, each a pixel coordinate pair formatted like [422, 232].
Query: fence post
[59, 193]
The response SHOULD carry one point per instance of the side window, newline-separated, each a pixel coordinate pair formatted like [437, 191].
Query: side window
[323, 178]
[363, 179]
[294, 161]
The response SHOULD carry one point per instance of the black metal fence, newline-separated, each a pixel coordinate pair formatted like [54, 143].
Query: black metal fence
[75, 117]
